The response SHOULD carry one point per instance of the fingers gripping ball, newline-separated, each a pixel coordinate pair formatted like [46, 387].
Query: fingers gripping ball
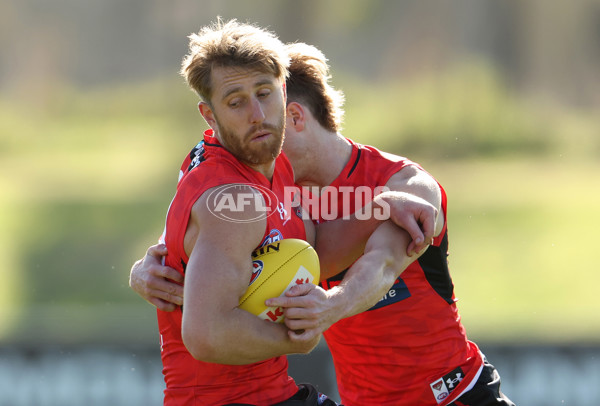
[278, 267]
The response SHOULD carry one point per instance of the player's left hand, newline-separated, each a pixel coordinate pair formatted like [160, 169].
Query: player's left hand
[415, 215]
[159, 285]
[307, 309]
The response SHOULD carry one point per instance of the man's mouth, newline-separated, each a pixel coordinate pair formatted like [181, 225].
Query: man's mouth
[260, 136]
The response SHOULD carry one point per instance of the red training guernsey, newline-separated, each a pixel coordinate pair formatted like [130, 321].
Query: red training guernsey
[193, 382]
[411, 347]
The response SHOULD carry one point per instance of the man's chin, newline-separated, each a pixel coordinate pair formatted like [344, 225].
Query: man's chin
[263, 157]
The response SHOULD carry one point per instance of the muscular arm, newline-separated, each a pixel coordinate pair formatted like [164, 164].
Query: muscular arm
[386, 252]
[340, 242]
[414, 198]
[217, 275]
[161, 285]
[418, 183]
[364, 284]
[412, 201]
[371, 276]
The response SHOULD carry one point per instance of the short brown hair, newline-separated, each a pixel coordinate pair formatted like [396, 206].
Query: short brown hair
[308, 84]
[231, 44]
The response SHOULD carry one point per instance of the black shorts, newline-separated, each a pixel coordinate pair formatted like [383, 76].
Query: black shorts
[306, 396]
[486, 391]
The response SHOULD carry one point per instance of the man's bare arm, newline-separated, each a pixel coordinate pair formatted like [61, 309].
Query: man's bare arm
[421, 185]
[161, 285]
[217, 275]
[386, 255]
[410, 210]
[412, 201]
[364, 284]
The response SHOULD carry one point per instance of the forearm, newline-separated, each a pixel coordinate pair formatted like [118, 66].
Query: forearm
[365, 283]
[238, 337]
[215, 329]
[341, 242]
[371, 277]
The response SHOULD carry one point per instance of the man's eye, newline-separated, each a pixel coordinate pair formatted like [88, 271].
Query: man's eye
[235, 103]
[264, 93]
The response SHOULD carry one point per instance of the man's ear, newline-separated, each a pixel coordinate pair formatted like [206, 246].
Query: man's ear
[208, 115]
[296, 116]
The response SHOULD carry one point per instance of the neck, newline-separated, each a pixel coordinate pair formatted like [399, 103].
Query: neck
[331, 154]
[266, 169]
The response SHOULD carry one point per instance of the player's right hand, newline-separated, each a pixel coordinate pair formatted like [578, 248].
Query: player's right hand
[159, 285]
[308, 311]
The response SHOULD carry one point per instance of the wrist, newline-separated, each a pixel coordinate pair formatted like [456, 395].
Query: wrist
[381, 205]
[339, 301]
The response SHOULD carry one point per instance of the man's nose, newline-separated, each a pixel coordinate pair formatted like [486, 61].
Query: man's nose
[257, 113]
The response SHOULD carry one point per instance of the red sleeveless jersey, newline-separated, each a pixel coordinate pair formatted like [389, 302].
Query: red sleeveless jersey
[193, 382]
[411, 347]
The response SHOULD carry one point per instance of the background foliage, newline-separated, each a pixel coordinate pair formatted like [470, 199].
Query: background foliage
[500, 108]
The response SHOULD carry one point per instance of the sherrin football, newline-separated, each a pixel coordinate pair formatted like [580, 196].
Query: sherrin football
[276, 268]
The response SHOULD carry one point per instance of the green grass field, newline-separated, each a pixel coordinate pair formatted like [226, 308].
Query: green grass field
[521, 253]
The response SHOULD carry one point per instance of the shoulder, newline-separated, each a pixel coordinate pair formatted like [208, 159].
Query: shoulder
[411, 172]
[227, 211]
[374, 159]
[413, 178]
[234, 203]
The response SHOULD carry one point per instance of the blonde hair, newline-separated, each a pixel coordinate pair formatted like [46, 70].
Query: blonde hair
[308, 84]
[231, 44]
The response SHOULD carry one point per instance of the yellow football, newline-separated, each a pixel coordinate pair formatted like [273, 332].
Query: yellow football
[276, 268]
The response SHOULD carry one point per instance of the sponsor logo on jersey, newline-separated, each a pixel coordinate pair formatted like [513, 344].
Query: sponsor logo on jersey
[398, 292]
[443, 386]
[265, 249]
[454, 378]
[257, 267]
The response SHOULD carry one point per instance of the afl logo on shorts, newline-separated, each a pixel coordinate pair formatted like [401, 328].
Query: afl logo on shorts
[257, 267]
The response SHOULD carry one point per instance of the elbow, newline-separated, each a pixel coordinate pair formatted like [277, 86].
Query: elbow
[306, 346]
[311, 345]
[200, 345]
